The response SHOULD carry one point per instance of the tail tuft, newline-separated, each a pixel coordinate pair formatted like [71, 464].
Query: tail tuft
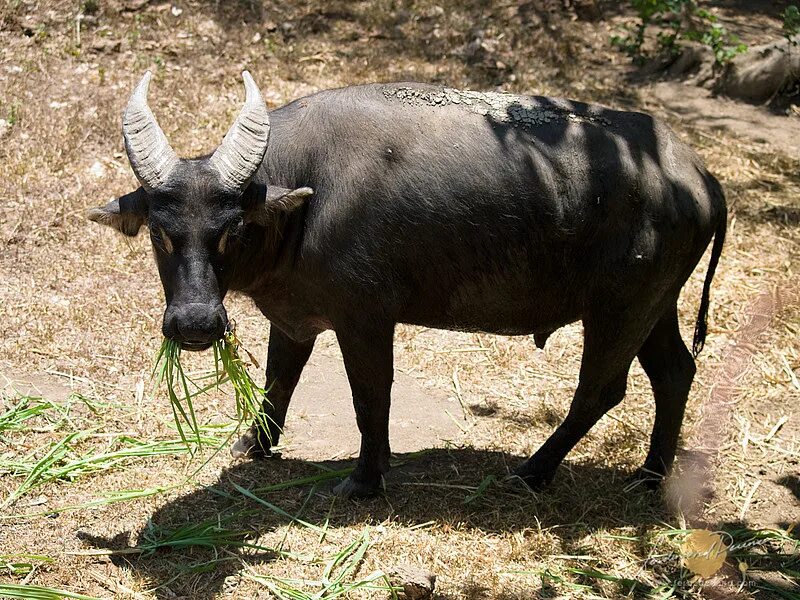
[701, 326]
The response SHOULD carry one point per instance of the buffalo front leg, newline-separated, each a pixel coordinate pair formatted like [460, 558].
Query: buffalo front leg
[285, 361]
[368, 361]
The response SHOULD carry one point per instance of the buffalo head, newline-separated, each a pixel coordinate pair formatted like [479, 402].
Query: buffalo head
[196, 210]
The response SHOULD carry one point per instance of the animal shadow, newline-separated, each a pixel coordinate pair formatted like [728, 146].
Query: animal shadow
[463, 486]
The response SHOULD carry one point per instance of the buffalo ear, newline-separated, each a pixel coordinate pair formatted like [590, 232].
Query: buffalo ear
[126, 214]
[275, 202]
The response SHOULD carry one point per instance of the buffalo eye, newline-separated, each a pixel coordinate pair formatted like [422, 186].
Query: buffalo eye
[161, 240]
[223, 240]
[232, 230]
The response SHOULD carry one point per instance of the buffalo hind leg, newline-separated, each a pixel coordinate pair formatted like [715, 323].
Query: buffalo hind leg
[670, 367]
[608, 350]
[368, 361]
[285, 361]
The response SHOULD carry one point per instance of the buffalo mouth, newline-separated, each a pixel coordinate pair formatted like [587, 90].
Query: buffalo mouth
[196, 346]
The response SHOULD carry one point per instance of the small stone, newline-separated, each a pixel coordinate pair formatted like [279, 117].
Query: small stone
[5, 127]
[38, 501]
[97, 170]
[417, 583]
[176, 12]
[135, 4]
[106, 45]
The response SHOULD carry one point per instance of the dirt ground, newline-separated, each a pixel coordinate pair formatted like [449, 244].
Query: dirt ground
[80, 312]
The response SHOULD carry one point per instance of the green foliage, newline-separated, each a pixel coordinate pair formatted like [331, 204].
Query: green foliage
[21, 564]
[724, 46]
[675, 21]
[23, 409]
[63, 461]
[791, 23]
[12, 115]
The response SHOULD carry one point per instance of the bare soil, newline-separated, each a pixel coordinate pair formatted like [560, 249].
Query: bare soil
[322, 422]
[699, 108]
[80, 312]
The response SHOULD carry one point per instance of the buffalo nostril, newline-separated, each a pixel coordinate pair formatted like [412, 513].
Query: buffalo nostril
[169, 326]
[198, 323]
[222, 321]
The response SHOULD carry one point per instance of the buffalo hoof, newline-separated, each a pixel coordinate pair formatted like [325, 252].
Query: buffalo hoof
[533, 478]
[350, 488]
[249, 447]
[645, 477]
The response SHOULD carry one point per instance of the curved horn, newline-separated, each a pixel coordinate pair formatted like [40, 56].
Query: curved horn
[244, 146]
[151, 157]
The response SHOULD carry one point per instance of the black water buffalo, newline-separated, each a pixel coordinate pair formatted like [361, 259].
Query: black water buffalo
[358, 208]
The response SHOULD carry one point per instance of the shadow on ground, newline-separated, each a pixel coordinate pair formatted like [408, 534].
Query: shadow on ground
[771, 557]
[432, 486]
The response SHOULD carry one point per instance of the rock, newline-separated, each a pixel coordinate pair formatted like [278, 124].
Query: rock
[97, 170]
[134, 4]
[695, 59]
[434, 12]
[5, 127]
[760, 73]
[417, 583]
[106, 45]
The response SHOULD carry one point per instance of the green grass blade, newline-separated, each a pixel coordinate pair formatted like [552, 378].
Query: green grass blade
[276, 509]
[280, 588]
[35, 592]
[38, 474]
[107, 498]
[188, 396]
[26, 408]
[301, 481]
[182, 389]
